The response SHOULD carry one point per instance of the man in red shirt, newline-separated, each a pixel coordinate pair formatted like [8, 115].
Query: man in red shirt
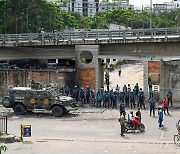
[165, 105]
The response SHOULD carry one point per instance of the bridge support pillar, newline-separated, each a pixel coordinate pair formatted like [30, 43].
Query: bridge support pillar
[89, 69]
[145, 86]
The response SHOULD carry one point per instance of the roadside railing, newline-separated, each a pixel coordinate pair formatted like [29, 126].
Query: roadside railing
[3, 124]
[92, 35]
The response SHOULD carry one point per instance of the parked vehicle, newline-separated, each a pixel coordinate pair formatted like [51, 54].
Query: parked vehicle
[23, 99]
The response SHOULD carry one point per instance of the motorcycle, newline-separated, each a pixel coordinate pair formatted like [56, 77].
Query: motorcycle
[135, 124]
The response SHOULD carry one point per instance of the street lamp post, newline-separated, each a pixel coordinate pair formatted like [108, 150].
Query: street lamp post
[142, 16]
[150, 14]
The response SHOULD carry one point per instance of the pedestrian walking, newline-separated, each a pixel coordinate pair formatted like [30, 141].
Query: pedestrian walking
[160, 117]
[169, 96]
[152, 106]
[165, 105]
[122, 121]
[119, 71]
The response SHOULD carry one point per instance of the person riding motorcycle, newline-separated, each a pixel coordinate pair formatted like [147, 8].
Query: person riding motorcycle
[131, 119]
[134, 123]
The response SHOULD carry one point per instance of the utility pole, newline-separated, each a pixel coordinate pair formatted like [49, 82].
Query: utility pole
[142, 16]
[150, 14]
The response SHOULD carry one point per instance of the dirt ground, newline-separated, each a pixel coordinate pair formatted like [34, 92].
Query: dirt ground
[130, 74]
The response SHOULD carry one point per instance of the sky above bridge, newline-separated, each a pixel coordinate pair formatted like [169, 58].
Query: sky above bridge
[139, 3]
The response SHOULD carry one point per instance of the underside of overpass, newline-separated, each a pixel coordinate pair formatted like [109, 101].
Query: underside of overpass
[155, 50]
[41, 52]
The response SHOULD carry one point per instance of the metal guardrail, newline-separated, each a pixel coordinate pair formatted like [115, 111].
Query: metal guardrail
[3, 124]
[92, 35]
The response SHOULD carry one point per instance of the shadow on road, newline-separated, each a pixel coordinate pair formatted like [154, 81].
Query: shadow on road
[38, 114]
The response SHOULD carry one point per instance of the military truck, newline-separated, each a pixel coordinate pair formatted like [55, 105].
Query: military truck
[23, 99]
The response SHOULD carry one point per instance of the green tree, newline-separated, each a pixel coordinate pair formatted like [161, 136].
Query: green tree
[22, 16]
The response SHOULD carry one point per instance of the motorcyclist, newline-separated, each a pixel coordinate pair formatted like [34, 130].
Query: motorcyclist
[130, 119]
[133, 120]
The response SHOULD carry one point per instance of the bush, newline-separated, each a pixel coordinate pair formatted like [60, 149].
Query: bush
[2, 146]
[121, 62]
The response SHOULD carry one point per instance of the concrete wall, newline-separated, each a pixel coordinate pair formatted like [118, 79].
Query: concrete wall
[170, 79]
[24, 77]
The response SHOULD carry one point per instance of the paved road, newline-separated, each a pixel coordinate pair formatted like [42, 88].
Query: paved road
[90, 131]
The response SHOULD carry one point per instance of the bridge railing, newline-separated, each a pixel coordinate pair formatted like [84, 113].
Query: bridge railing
[92, 35]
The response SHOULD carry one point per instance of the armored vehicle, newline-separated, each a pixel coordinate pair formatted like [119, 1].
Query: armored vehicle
[23, 99]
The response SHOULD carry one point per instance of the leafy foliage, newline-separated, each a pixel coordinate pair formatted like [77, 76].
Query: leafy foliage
[2, 147]
[22, 16]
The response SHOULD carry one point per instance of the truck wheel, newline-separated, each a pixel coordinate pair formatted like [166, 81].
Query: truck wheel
[57, 111]
[19, 109]
[7, 102]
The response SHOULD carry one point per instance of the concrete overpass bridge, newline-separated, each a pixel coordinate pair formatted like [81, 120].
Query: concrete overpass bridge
[140, 44]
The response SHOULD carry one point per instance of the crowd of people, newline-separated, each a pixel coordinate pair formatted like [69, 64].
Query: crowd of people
[80, 95]
[108, 99]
